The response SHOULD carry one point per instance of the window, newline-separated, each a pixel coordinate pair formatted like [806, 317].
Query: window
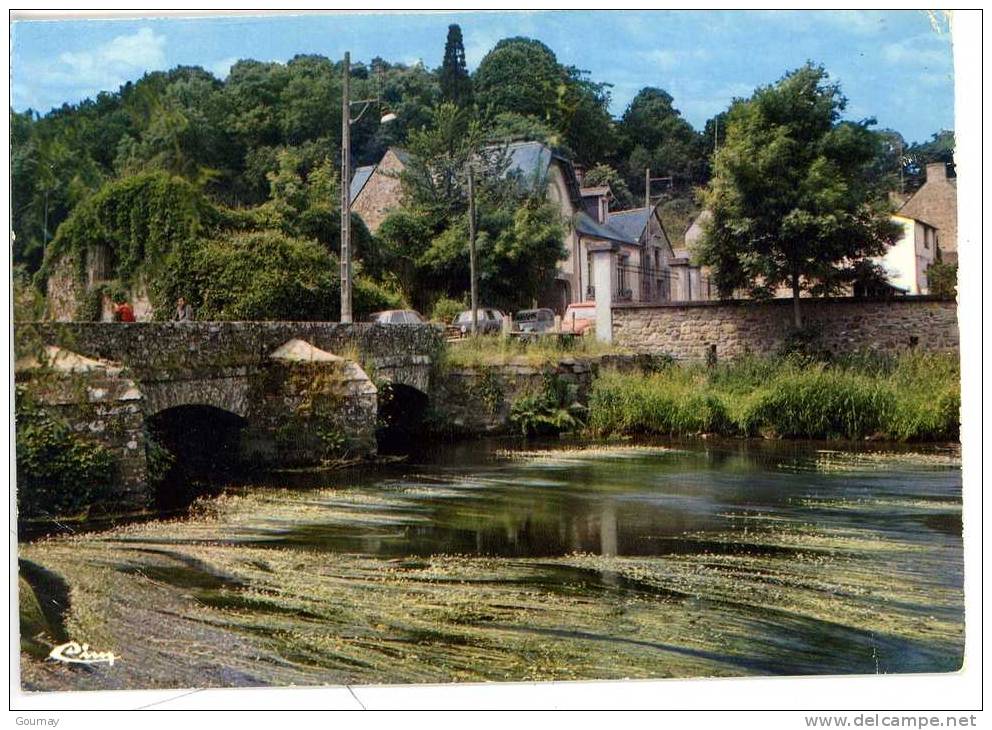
[623, 262]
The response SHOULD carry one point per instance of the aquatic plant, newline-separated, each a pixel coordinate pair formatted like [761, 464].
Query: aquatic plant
[551, 410]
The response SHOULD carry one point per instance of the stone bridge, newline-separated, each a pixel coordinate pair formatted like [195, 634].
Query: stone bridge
[296, 392]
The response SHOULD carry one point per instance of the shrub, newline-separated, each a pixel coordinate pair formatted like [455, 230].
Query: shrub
[550, 411]
[943, 278]
[446, 309]
[254, 276]
[58, 471]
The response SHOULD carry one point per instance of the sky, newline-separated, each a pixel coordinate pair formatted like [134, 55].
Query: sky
[895, 66]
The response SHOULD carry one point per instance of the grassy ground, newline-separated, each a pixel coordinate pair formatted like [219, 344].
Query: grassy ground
[545, 350]
[909, 397]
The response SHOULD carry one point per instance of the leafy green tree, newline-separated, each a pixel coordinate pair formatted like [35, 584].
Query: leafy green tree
[519, 252]
[603, 174]
[513, 127]
[790, 200]
[943, 280]
[435, 178]
[403, 238]
[939, 148]
[456, 85]
[522, 76]
[263, 275]
[653, 135]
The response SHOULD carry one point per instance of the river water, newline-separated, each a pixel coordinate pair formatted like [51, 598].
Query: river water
[488, 561]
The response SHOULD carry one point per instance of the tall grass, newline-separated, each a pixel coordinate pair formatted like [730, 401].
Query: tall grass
[909, 397]
[486, 351]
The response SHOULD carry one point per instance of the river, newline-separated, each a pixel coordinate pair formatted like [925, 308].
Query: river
[491, 561]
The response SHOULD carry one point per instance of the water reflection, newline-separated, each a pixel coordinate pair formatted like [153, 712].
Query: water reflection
[636, 503]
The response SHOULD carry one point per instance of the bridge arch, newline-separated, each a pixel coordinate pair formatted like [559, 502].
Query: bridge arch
[402, 410]
[228, 394]
[191, 449]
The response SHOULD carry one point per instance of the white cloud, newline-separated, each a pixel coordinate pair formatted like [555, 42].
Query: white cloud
[222, 68]
[477, 45]
[111, 64]
[918, 52]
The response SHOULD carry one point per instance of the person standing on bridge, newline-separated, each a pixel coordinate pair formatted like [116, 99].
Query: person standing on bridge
[123, 311]
[184, 312]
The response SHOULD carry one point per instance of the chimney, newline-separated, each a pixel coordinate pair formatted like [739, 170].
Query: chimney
[936, 171]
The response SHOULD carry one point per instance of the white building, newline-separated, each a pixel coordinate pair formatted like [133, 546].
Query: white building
[907, 260]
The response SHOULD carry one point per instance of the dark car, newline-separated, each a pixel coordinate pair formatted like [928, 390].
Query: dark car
[535, 320]
[397, 316]
[490, 321]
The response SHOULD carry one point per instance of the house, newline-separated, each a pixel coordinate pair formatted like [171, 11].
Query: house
[697, 286]
[936, 204]
[636, 238]
[907, 260]
[376, 189]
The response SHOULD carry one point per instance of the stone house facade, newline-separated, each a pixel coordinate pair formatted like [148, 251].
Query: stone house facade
[376, 189]
[936, 204]
[640, 247]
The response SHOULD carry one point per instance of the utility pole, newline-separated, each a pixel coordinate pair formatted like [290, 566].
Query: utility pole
[346, 193]
[647, 185]
[473, 286]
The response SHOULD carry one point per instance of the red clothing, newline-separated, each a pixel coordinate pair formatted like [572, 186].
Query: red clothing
[124, 312]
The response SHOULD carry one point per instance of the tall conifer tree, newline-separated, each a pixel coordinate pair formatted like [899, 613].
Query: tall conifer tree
[456, 86]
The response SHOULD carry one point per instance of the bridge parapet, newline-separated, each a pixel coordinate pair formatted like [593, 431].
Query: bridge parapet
[174, 348]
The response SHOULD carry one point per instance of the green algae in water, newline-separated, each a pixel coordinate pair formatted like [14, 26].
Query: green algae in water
[660, 563]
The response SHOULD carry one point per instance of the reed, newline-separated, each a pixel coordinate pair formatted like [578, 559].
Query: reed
[910, 397]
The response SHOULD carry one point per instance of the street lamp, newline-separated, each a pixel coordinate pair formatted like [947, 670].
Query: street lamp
[346, 122]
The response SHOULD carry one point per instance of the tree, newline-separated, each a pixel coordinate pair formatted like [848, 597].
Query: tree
[603, 174]
[522, 76]
[940, 148]
[790, 200]
[654, 135]
[262, 275]
[456, 86]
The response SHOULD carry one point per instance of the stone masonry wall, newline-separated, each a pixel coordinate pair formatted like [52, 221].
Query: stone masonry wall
[477, 400]
[687, 330]
[190, 347]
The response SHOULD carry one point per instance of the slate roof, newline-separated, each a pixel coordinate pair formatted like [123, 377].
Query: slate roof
[359, 178]
[630, 223]
[589, 226]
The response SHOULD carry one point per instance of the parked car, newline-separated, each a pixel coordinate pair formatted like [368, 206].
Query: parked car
[397, 316]
[490, 321]
[579, 318]
[535, 320]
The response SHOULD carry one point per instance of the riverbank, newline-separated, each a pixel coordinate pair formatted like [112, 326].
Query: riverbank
[491, 563]
[910, 397]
